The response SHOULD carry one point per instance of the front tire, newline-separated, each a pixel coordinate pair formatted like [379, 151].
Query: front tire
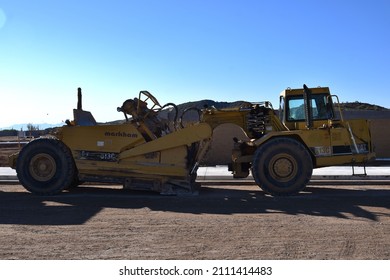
[45, 166]
[282, 166]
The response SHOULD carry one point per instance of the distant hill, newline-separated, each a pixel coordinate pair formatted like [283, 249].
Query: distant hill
[209, 103]
[359, 106]
[347, 106]
[356, 106]
[23, 126]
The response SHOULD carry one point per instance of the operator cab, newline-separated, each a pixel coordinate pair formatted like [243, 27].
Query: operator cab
[307, 108]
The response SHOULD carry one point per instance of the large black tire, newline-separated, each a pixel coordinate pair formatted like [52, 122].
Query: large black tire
[282, 166]
[45, 166]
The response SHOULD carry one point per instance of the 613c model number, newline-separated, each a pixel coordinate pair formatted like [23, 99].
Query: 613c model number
[98, 156]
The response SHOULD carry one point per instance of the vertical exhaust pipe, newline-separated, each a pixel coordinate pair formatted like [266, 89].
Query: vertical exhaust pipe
[79, 100]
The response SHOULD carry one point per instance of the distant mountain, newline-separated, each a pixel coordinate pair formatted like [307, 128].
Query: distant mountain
[359, 106]
[347, 106]
[209, 103]
[23, 126]
[226, 105]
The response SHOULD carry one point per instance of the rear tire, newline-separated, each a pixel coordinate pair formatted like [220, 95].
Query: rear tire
[282, 166]
[45, 166]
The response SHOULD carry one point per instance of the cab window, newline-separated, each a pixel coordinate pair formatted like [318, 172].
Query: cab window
[296, 110]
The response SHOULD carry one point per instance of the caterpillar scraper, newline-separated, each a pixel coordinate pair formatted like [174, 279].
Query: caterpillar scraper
[163, 155]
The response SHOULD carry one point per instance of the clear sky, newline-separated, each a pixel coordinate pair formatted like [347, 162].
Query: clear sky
[185, 50]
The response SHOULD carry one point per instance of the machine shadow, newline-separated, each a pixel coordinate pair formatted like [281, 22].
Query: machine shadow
[80, 205]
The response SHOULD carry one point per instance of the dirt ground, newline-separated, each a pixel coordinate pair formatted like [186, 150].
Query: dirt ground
[222, 222]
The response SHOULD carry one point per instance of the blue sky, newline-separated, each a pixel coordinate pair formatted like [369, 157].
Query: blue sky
[184, 51]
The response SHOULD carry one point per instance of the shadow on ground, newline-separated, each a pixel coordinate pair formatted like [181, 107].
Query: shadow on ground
[78, 206]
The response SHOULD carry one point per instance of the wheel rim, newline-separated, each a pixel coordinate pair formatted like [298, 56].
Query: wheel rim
[42, 167]
[283, 167]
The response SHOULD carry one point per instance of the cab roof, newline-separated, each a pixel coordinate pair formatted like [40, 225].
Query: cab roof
[299, 91]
